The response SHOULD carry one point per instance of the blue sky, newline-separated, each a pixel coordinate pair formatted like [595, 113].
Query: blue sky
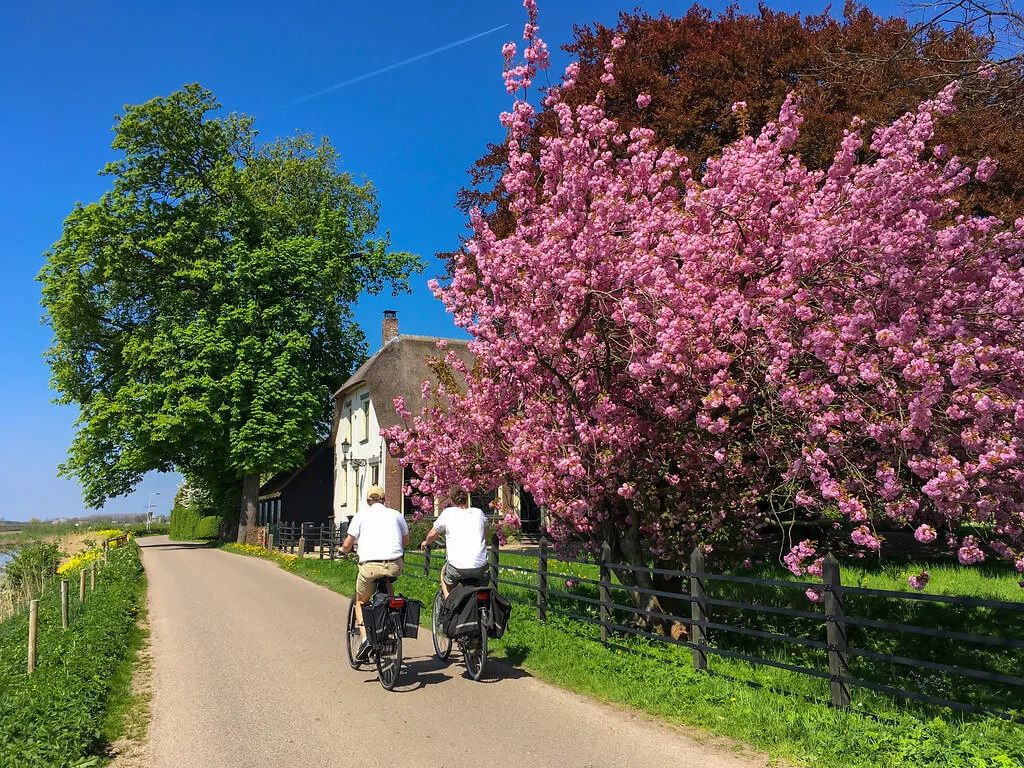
[67, 68]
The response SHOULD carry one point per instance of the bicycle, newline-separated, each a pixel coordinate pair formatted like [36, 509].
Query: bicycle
[473, 642]
[386, 650]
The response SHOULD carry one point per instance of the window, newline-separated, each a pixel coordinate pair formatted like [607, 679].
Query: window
[343, 486]
[365, 406]
[346, 427]
[375, 474]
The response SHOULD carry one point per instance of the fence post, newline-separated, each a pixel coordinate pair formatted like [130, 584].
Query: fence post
[835, 632]
[106, 551]
[605, 590]
[698, 608]
[81, 586]
[426, 561]
[33, 627]
[64, 603]
[542, 580]
[302, 546]
[270, 542]
[92, 578]
[321, 541]
[493, 558]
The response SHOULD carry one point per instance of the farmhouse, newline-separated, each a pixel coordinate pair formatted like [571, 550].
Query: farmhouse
[331, 485]
[364, 405]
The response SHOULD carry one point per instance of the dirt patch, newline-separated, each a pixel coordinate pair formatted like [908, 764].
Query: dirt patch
[132, 749]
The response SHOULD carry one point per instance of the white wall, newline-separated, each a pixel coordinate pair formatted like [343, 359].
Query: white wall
[351, 483]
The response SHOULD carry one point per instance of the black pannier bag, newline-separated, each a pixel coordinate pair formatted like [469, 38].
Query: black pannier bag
[501, 609]
[463, 612]
[375, 618]
[411, 618]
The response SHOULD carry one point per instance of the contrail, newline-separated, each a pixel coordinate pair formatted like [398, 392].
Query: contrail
[402, 63]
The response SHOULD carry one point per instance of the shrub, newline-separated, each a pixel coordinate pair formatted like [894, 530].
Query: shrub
[79, 561]
[184, 521]
[208, 527]
[418, 531]
[31, 564]
[54, 718]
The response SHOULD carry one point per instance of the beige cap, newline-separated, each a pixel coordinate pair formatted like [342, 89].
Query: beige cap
[375, 491]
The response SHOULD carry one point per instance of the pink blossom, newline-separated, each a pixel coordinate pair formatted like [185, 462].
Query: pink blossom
[970, 551]
[863, 537]
[618, 41]
[814, 595]
[643, 100]
[986, 169]
[920, 580]
[925, 534]
[701, 337]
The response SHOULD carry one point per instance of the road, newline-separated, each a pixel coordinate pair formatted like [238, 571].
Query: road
[248, 671]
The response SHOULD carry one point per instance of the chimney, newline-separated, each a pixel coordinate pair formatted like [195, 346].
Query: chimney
[389, 326]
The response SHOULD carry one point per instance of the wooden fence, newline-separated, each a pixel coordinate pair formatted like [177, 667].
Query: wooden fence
[323, 539]
[87, 576]
[618, 607]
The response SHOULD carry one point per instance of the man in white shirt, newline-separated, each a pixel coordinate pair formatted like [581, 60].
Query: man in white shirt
[465, 531]
[382, 535]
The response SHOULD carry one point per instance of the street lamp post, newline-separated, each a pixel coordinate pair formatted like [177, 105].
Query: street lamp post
[149, 509]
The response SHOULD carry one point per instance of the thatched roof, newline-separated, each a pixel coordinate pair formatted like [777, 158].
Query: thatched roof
[398, 369]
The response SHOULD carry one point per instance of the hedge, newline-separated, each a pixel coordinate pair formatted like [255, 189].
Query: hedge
[208, 527]
[54, 718]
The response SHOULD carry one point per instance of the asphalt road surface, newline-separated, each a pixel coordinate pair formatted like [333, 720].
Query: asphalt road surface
[249, 671]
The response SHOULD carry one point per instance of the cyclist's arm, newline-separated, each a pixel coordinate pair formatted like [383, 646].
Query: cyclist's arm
[346, 546]
[431, 538]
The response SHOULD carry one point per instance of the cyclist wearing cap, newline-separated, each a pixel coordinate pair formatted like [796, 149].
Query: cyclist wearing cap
[465, 530]
[382, 535]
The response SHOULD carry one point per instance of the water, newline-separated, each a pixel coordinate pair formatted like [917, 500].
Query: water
[4, 557]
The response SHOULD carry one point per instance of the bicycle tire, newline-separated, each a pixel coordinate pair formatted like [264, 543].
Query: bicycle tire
[476, 657]
[389, 665]
[352, 638]
[442, 643]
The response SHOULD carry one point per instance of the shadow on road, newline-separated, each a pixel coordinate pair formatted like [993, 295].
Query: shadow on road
[175, 545]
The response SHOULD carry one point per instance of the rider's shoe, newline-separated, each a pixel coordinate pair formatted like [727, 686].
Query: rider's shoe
[364, 651]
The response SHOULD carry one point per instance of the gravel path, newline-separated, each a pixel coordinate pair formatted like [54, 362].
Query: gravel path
[249, 671]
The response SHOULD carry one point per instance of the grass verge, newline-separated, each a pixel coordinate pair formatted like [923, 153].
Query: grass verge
[62, 715]
[772, 710]
[128, 711]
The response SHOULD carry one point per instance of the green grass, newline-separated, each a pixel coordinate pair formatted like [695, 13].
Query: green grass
[128, 710]
[57, 717]
[777, 711]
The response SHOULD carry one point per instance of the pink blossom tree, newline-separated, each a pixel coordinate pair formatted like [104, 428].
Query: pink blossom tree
[669, 356]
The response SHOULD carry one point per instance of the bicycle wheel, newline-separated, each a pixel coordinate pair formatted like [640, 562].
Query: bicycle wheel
[389, 655]
[442, 643]
[475, 649]
[352, 638]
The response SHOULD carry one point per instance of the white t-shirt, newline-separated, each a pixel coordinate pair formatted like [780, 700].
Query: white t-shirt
[378, 531]
[464, 531]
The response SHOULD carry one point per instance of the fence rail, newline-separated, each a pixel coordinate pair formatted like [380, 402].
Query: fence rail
[703, 626]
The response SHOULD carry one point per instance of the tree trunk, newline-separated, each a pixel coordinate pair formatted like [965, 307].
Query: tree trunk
[627, 547]
[250, 500]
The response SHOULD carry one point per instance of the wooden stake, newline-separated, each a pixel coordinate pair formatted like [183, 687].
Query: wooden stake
[64, 603]
[33, 626]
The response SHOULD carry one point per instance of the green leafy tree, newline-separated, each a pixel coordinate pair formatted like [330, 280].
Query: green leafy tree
[202, 308]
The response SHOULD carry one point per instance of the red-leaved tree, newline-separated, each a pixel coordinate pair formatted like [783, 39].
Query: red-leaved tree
[667, 359]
